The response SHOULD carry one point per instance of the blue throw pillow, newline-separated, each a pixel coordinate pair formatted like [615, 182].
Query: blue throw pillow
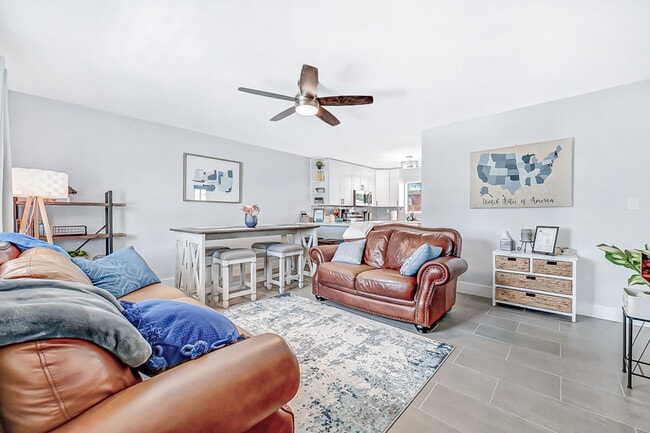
[24, 242]
[119, 273]
[350, 252]
[423, 254]
[177, 331]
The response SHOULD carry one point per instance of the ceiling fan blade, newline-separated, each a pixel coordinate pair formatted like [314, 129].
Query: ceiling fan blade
[345, 100]
[289, 111]
[267, 94]
[327, 117]
[308, 81]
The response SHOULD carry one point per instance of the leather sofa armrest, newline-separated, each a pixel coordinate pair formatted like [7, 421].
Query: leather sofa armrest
[229, 390]
[440, 271]
[323, 253]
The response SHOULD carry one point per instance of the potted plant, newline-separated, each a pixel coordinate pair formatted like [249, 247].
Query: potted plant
[630, 259]
[319, 164]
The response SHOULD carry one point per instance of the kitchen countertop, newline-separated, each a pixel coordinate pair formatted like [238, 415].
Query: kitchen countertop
[347, 223]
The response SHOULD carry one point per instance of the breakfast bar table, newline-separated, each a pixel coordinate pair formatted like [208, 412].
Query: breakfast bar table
[191, 244]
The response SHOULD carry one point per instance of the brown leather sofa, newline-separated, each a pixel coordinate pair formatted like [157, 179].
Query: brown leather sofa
[66, 385]
[376, 285]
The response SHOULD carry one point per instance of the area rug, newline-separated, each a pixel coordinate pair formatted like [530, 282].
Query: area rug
[357, 374]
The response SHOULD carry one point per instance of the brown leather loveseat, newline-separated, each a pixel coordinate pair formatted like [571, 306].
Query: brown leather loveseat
[376, 285]
[68, 385]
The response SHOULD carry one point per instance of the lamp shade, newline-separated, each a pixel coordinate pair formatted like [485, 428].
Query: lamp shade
[33, 182]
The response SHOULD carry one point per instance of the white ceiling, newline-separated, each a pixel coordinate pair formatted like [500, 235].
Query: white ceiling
[426, 62]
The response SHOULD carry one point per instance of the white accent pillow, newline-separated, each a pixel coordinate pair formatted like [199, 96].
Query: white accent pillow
[350, 252]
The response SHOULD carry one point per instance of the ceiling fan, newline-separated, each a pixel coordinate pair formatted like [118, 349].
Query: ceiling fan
[307, 103]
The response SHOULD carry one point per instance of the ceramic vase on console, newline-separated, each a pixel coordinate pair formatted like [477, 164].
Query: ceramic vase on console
[250, 220]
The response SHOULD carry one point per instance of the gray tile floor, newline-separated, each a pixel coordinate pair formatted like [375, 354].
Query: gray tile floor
[516, 370]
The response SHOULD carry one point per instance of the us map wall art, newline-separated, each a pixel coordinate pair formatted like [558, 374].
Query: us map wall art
[527, 175]
[211, 179]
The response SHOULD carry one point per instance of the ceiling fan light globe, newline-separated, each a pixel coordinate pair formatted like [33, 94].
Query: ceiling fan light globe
[306, 107]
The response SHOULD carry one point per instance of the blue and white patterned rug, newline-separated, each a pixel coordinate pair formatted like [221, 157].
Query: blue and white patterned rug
[357, 374]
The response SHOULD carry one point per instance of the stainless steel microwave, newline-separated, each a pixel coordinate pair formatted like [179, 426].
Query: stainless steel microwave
[362, 198]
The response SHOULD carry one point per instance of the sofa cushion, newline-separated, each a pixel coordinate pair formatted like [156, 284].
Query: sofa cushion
[155, 291]
[119, 273]
[48, 382]
[43, 263]
[350, 252]
[340, 275]
[386, 283]
[178, 331]
[8, 251]
[376, 244]
[419, 257]
[403, 243]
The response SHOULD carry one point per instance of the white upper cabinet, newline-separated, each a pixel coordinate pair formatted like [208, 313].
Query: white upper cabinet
[335, 181]
[382, 188]
[387, 188]
[395, 186]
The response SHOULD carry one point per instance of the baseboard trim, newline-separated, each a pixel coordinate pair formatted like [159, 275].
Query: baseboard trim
[474, 289]
[601, 312]
[168, 281]
[596, 311]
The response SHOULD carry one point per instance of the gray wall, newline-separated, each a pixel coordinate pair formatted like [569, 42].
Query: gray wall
[611, 155]
[142, 163]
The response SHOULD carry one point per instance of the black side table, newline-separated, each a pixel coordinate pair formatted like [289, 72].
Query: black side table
[629, 340]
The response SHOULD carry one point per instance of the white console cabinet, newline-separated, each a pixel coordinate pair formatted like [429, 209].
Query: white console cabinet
[535, 281]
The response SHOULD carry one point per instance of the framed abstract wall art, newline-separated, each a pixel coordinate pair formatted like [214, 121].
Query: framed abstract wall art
[527, 175]
[211, 179]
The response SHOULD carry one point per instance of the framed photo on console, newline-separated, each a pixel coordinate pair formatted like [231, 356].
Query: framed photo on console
[545, 240]
[319, 214]
[211, 179]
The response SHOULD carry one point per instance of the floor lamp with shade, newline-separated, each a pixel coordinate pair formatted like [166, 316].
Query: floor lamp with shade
[34, 186]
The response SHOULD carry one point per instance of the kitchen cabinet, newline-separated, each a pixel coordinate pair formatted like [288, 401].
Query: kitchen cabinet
[363, 178]
[345, 175]
[387, 188]
[319, 183]
[382, 188]
[395, 186]
[334, 183]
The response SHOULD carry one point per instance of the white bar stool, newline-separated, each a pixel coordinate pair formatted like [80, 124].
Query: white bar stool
[223, 260]
[285, 254]
[209, 252]
[260, 250]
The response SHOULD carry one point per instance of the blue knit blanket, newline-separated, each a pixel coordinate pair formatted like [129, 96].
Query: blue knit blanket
[38, 309]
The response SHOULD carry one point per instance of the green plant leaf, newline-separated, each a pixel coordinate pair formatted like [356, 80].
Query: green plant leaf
[608, 248]
[634, 257]
[616, 256]
[630, 259]
[637, 279]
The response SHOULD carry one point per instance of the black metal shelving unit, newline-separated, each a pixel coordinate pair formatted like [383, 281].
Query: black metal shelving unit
[105, 232]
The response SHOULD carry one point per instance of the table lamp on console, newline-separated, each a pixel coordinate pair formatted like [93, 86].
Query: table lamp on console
[34, 186]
